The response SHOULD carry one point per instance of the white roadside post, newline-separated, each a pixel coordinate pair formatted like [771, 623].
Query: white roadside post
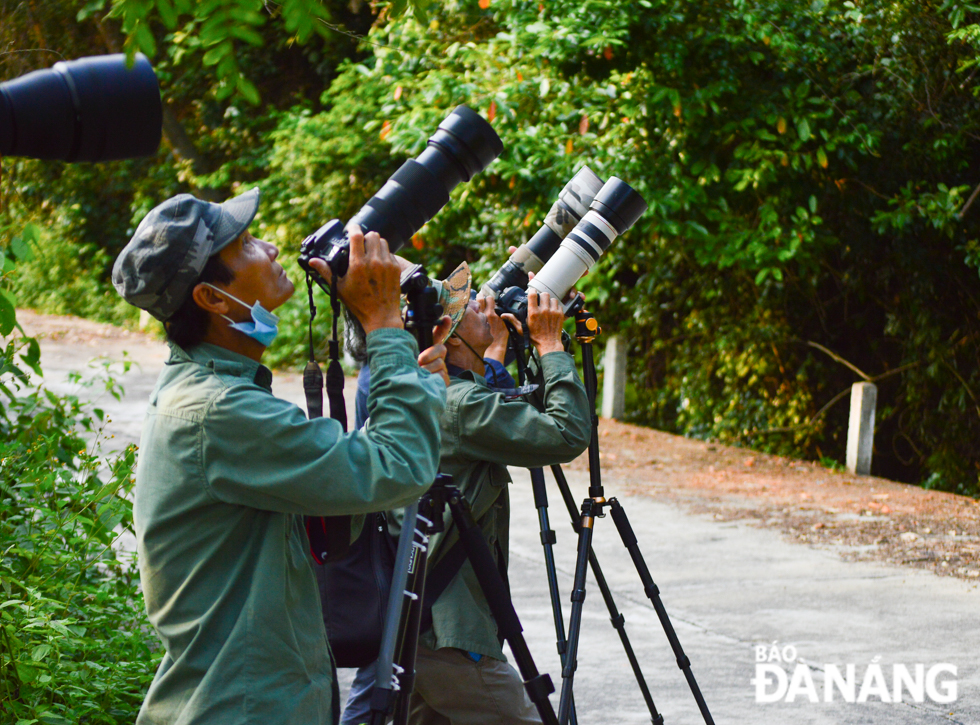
[861, 428]
[614, 378]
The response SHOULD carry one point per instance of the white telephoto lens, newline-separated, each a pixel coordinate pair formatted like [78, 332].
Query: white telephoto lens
[578, 253]
[573, 202]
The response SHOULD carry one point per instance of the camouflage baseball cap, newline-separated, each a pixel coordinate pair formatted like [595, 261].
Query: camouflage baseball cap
[163, 261]
[454, 294]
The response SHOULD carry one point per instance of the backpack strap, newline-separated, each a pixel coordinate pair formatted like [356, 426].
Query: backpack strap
[438, 579]
[449, 565]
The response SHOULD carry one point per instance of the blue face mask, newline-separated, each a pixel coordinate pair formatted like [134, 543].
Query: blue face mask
[264, 325]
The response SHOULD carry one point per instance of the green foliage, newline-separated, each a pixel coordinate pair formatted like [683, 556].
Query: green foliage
[805, 172]
[75, 645]
[808, 169]
[218, 28]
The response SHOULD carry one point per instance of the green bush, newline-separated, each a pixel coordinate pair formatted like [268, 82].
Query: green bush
[807, 167]
[75, 643]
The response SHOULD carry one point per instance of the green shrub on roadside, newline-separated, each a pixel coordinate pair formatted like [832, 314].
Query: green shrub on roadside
[75, 644]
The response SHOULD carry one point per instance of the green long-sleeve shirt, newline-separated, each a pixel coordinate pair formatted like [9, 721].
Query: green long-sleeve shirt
[226, 472]
[482, 434]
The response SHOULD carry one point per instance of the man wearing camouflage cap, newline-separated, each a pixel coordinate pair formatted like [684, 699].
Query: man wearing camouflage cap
[227, 471]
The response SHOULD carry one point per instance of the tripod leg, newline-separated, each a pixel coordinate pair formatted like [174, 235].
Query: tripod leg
[538, 686]
[653, 594]
[619, 624]
[575, 620]
[548, 541]
[382, 697]
[615, 617]
[410, 639]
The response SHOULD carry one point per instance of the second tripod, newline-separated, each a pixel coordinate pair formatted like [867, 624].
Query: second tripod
[594, 507]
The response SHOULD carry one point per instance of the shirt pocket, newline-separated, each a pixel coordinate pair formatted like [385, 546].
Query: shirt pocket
[498, 478]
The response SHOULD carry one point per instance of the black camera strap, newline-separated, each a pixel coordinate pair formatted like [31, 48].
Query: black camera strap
[329, 535]
[335, 372]
[312, 375]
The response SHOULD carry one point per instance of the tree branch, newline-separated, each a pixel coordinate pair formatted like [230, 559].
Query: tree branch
[839, 359]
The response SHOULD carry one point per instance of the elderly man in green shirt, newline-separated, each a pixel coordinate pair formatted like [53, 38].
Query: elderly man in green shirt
[227, 471]
[462, 675]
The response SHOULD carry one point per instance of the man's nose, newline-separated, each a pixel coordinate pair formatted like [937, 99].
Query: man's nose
[271, 249]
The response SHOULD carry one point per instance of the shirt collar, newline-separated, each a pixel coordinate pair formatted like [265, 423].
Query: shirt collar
[464, 374]
[222, 360]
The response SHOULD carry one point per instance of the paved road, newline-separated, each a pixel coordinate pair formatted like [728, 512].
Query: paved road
[728, 588]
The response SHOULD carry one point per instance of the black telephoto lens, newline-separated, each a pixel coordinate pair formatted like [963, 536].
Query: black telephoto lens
[462, 146]
[90, 109]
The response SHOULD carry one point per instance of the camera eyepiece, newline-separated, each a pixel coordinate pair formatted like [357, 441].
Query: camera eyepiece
[572, 204]
[463, 145]
[90, 109]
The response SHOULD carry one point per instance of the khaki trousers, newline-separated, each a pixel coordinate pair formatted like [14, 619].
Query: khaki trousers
[452, 689]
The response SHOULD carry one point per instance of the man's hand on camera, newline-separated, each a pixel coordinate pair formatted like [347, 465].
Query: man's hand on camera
[434, 358]
[370, 289]
[544, 321]
[498, 328]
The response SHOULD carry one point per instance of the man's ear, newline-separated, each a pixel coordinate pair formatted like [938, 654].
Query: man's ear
[452, 341]
[209, 300]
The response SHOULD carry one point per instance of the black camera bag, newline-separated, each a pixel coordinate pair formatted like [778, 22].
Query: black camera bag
[354, 592]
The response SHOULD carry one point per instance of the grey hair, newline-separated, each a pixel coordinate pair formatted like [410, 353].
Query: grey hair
[355, 339]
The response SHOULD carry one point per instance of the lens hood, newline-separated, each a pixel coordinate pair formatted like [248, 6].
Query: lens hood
[619, 204]
[90, 109]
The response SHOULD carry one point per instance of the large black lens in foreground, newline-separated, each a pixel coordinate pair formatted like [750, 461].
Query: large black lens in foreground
[91, 109]
[462, 146]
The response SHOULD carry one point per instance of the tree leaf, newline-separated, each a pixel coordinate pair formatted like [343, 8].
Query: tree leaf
[248, 90]
[31, 233]
[144, 40]
[21, 249]
[168, 15]
[247, 35]
[217, 53]
[8, 315]
[32, 356]
[803, 129]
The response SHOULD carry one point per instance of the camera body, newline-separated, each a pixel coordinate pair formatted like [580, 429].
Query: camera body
[327, 243]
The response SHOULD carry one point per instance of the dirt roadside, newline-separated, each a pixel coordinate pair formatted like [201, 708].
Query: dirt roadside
[862, 517]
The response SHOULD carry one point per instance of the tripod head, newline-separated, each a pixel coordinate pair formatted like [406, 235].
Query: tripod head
[586, 325]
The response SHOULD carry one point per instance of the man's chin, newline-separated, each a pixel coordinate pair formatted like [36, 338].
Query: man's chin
[287, 295]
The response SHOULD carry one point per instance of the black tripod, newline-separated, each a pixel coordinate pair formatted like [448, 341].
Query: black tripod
[395, 682]
[430, 516]
[587, 329]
